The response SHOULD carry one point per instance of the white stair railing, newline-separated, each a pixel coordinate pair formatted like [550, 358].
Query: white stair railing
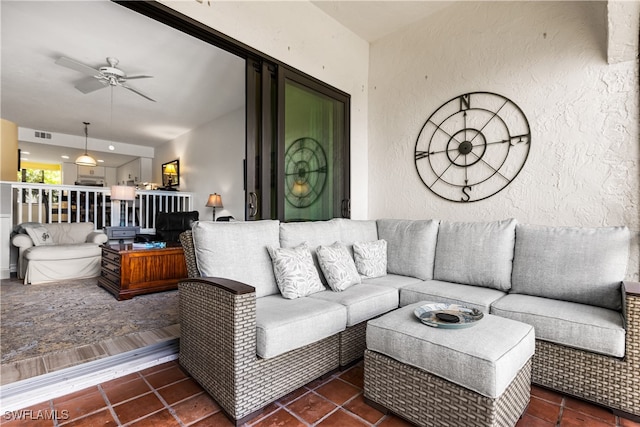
[47, 203]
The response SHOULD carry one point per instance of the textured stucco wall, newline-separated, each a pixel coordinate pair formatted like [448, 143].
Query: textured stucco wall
[549, 58]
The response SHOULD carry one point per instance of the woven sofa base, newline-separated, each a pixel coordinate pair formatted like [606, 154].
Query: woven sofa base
[353, 342]
[428, 400]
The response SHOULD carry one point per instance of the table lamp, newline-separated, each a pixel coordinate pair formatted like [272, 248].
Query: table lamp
[215, 201]
[123, 193]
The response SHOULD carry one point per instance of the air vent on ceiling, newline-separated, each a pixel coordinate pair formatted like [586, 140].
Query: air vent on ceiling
[43, 135]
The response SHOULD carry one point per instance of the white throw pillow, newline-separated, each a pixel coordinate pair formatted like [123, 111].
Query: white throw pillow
[39, 234]
[337, 266]
[371, 258]
[295, 272]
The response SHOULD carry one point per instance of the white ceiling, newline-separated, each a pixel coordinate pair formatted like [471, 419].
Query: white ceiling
[373, 20]
[194, 82]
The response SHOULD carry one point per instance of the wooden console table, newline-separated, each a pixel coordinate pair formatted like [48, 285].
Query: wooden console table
[127, 271]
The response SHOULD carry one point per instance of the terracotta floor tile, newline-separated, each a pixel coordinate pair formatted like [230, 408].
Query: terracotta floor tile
[317, 383]
[338, 391]
[280, 418]
[216, 420]
[80, 403]
[293, 396]
[544, 410]
[546, 394]
[624, 422]
[342, 418]
[195, 408]
[590, 409]
[138, 408]
[571, 418]
[531, 421]
[121, 380]
[162, 418]
[311, 407]
[179, 391]
[121, 391]
[158, 368]
[359, 407]
[265, 412]
[393, 421]
[165, 377]
[354, 376]
[102, 418]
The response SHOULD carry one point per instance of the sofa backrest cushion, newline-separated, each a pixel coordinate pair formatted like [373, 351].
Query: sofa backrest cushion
[238, 251]
[353, 230]
[411, 246]
[583, 265]
[74, 232]
[476, 253]
[314, 233]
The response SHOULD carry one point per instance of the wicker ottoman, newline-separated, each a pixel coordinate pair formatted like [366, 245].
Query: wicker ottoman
[477, 376]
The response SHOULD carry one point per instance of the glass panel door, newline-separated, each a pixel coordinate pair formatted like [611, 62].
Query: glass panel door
[314, 148]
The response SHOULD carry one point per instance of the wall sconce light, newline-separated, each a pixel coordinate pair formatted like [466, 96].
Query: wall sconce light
[123, 193]
[215, 201]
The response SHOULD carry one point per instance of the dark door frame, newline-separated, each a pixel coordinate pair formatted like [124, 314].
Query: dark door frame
[260, 104]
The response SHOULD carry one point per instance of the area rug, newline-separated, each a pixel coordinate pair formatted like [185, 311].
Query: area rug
[39, 319]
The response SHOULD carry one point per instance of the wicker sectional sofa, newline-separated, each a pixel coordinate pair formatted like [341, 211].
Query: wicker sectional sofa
[248, 346]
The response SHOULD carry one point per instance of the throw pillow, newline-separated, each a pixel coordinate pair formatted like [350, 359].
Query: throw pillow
[295, 272]
[39, 234]
[371, 258]
[337, 266]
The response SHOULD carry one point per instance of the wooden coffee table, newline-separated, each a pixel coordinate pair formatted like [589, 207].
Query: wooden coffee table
[127, 271]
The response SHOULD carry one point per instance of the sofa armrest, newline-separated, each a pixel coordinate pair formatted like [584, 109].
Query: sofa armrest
[22, 241]
[632, 288]
[217, 332]
[98, 237]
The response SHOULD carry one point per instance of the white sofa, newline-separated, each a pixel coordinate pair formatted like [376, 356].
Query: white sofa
[69, 251]
[247, 345]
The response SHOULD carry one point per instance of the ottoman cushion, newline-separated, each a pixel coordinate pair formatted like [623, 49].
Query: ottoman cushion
[484, 358]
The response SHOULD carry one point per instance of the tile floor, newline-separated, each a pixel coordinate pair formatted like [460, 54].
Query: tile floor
[164, 395]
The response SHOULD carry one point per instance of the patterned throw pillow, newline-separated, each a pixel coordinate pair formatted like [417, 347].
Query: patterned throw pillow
[295, 272]
[371, 258]
[337, 266]
[39, 234]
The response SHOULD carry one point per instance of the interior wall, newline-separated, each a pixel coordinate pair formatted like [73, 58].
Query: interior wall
[210, 162]
[302, 36]
[550, 59]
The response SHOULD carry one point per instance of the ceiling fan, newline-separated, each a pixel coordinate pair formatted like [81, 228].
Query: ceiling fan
[107, 75]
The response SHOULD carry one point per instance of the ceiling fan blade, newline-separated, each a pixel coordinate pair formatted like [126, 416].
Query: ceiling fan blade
[91, 84]
[138, 77]
[78, 66]
[134, 90]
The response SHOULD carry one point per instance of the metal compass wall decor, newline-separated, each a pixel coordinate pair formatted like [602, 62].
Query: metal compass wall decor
[305, 172]
[472, 146]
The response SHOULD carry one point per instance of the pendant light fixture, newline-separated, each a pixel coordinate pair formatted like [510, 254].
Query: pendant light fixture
[86, 159]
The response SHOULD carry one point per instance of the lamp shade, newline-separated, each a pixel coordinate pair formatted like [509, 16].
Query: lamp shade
[215, 201]
[170, 169]
[86, 160]
[123, 192]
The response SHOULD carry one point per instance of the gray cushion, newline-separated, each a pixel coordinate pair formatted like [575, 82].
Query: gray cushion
[286, 324]
[238, 251]
[453, 293]
[584, 265]
[392, 281]
[363, 302]
[371, 258]
[410, 246]
[315, 233]
[586, 327]
[337, 266]
[476, 253]
[484, 358]
[352, 230]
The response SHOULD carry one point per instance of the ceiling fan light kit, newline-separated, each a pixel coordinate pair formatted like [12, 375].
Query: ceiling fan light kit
[86, 159]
